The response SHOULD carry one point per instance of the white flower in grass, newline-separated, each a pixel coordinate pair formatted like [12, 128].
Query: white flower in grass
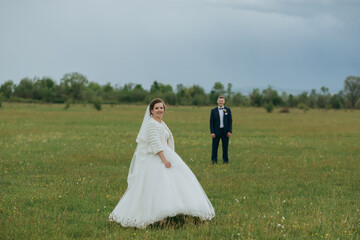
[236, 200]
[283, 218]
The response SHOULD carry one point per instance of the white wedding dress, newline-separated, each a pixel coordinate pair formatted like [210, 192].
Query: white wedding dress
[155, 192]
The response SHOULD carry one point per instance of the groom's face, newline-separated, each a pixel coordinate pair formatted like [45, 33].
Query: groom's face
[221, 102]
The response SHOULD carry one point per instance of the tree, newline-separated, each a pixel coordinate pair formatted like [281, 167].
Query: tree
[352, 89]
[303, 98]
[239, 100]
[7, 88]
[228, 91]
[256, 99]
[94, 86]
[292, 101]
[157, 88]
[154, 87]
[337, 101]
[74, 85]
[183, 95]
[24, 89]
[44, 89]
[313, 98]
[197, 95]
[217, 90]
[271, 95]
[323, 100]
[138, 93]
[107, 88]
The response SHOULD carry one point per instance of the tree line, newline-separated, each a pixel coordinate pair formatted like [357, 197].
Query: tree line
[75, 88]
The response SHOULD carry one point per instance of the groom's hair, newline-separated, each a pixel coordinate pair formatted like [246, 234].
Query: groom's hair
[220, 97]
[155, 101]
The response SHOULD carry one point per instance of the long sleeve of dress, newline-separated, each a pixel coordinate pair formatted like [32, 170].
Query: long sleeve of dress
[170, 140]
[153, 136]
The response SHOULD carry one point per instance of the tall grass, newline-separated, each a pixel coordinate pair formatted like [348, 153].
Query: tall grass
[290, 176]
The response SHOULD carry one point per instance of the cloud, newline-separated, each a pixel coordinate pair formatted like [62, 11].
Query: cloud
[290, 44]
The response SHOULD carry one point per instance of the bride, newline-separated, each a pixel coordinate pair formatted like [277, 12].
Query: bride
[160, 184]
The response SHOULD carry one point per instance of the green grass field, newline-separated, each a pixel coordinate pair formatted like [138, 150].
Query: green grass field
[291, 176]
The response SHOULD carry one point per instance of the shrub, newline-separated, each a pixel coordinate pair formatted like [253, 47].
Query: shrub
[269, 107]
[357, 104]
[97, 101]
[303, 106]
[285, 110]
[67, 104]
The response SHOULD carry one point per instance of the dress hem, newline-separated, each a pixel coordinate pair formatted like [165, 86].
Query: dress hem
[143, 224]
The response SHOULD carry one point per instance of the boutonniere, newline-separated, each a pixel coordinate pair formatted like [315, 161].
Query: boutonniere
[224, 110]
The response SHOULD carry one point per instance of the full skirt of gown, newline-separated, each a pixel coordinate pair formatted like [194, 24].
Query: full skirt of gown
[155, 192]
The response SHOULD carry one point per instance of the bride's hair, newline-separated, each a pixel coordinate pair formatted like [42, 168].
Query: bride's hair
[155, 101]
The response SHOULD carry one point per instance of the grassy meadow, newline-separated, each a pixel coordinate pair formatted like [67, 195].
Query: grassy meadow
[290, 176]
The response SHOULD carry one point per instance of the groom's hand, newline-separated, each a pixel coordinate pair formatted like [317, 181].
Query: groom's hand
[213, 135]
[229, 134]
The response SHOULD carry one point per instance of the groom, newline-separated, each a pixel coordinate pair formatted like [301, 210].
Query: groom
[220, 128]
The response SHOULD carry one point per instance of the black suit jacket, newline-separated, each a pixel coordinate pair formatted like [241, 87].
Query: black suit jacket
[215, 121]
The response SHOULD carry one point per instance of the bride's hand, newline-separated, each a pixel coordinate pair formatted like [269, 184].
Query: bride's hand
[163, 159]
[167, 164]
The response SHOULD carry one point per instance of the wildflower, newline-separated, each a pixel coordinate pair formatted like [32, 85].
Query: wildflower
[107, 196]
[283, 218]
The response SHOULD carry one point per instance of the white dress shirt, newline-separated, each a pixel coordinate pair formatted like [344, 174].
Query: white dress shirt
[221, 113]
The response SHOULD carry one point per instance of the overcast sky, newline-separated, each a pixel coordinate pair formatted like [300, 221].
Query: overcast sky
[289, 44]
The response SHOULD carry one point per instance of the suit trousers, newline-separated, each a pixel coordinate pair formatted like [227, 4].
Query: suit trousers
[215, 146]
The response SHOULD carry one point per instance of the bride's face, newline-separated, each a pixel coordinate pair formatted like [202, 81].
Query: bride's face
[158, 111]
